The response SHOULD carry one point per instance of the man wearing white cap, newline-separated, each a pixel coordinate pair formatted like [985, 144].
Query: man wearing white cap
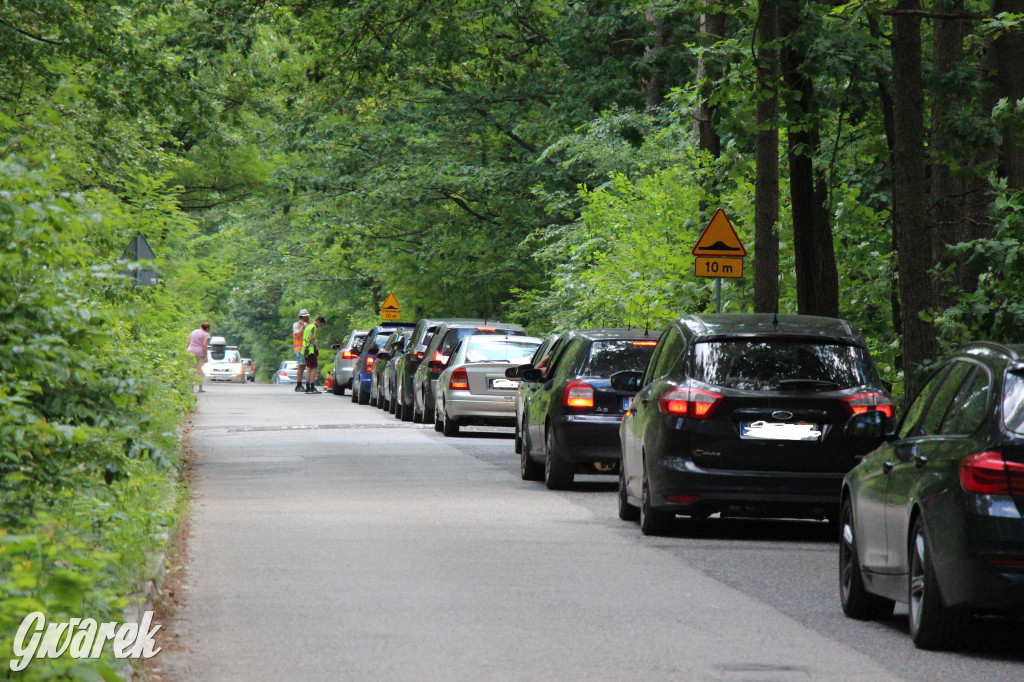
[297, 329]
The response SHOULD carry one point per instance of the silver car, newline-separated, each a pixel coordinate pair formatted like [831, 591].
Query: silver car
[345, 360]
[224, 366]
[285, 373]
[473, 388]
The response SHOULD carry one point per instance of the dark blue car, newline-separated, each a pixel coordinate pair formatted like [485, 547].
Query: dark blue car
[363, 369]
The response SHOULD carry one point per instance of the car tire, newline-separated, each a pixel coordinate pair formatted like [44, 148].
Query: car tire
[653, 522]
[438, 424]
[364, 398]
[406, 411]
[391, 404]
[857, 602]
[450, 427]
[627, 511]
[372, 398]
[558, 474]
[519, 444]
[932, 624]
[355, 398]
[428, 417]
[336, 388]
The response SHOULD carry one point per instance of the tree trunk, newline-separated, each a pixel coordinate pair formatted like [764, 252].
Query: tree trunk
[1009, 56]
[909, 199]
[654, 88]
[766, 155]
[817, 278]
[712, 28]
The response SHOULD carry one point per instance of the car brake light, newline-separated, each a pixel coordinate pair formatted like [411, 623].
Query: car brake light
[369, 362]
[578, 394]
[438, 356]
[487, 329]
[645, 343]
[459, 380]
[989, 474]
[349, 355]
[859, 404]
[689, 402]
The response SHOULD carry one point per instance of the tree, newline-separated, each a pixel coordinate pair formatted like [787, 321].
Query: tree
[766, 185]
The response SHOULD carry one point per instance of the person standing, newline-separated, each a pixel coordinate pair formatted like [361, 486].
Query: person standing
[297, 329]
[310, 350]
[198, 344]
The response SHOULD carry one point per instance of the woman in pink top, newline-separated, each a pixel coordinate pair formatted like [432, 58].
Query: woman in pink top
[198, 342]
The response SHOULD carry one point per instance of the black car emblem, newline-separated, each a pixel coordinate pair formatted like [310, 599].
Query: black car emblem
[782, 415]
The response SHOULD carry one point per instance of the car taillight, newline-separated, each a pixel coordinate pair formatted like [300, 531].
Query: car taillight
[689, 402]
[349, 355]
[284, 374]
[989, 474]
[369, 362]
[438, 356]
[459, 380]
[645, 343]
[487, 329]
[578, 394]
[864, 402]
[419, 355]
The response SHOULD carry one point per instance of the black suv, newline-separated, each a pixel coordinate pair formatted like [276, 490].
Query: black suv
[935, 517]
[744, 415]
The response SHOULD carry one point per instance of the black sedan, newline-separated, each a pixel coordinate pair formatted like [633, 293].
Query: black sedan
[933, 518]
[743, 415]
[570, 418]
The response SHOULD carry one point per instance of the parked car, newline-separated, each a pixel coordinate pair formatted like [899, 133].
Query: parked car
[744, 415]
[227, 367]
[540, 359]
[285, 373]
[473, 388]
[375, 339]
[250, 369]
[933, 517]
[393, 346]
[389, 374]
[570, 419]
[442, 344]
[407, 364]
[345, 360]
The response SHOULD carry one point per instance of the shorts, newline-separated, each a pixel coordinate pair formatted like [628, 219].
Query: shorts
[300, 358]
[311, 362]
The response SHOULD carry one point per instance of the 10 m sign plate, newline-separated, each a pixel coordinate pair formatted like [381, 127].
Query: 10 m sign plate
[707, 266]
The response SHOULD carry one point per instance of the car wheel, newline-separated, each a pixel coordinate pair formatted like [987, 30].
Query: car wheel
[627, 512]
[558, 475]
[391, 404]
[856, 600]
[449, 427]
[383, 403]
[406, 411]
[438, 423]
[364, 398]
[355, 398]
[337, 388]
[372, 398]
[429, 416]
[519, 443]
[652, 521]
[932, 624]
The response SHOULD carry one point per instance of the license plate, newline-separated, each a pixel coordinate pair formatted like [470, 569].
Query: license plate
[506, 384]
[625, 404]
[762, 430]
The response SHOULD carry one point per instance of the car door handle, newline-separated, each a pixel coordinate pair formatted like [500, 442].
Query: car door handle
[887, 466]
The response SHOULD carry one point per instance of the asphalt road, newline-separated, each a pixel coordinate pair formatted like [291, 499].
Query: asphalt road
[332, 542]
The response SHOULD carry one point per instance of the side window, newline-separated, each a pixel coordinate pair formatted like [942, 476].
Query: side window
[969, 407]
[942, 400]
[649, 372]
[559, 361]
[669, 348]
[916, 410]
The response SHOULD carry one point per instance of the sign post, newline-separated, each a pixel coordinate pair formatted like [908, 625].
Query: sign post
[719, 253]
[390, 310]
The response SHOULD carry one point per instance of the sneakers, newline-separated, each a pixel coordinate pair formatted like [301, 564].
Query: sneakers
[312, 389]
[298, 386]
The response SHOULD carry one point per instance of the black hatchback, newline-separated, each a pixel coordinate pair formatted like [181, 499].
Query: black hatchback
[570, 418]
[743, 415]
[935, 517]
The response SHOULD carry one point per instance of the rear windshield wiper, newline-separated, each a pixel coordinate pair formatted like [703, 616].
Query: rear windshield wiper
[806, 383]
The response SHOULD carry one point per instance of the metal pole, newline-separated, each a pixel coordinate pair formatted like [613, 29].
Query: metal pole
[718, 294]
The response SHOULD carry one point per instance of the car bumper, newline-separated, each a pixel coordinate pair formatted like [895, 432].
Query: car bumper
[463, 406]
[584, 438]
[343, 375]
[229, 378]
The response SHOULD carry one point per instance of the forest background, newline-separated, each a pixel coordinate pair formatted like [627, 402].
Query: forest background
[542, 161]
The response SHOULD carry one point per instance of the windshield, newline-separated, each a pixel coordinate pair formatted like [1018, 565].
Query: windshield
[230, 356]
[379, 340]
[452, 338]
[1013, 402]
[608, 357]
[516, 352]
[760, 365]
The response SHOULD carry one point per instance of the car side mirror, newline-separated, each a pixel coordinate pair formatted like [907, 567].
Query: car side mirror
[532, 374]
[627, 381]
[887, 385]
[383, 355]
[872, 425]
[435, 366]
[335, 346]
[517, 371]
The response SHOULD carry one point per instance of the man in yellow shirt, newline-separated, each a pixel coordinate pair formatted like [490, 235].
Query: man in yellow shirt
[310, 350]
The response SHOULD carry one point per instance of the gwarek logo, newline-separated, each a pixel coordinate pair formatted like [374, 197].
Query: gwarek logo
[81, 638]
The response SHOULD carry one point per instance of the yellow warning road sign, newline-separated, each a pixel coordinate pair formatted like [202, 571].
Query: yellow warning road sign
[718, 267]
[390, 310]
[719, 239]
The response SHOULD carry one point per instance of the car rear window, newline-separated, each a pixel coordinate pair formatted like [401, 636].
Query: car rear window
[500, 350]
[379, 340]
[1013, 402]
[608, 357]
[453, 336]
[763, 365]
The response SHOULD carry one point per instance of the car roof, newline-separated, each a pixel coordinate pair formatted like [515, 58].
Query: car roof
[765, 324]
[465, 324]
[611, 334]
[1012, 351]
[392, 326]
[495, 338]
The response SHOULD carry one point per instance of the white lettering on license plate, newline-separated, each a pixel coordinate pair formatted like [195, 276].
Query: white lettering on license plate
[779, 431]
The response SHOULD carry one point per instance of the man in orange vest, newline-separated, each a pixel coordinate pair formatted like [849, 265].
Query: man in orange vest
[297, 329]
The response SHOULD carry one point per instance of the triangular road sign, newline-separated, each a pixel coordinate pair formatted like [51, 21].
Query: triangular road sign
[390, 303]
[719, 239]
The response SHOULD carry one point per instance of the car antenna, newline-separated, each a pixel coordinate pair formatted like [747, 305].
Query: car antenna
[775, 319]
[647, 321]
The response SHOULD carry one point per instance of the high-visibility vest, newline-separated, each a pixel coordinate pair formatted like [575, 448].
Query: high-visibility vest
[296, 340]
[308, 339]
